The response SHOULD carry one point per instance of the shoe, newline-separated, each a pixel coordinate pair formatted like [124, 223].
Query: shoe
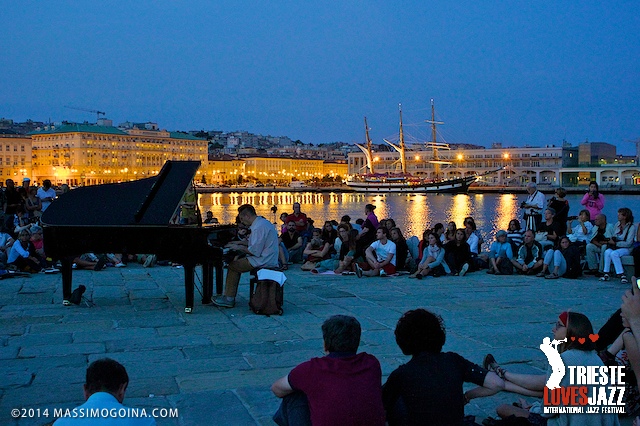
[552, 276]
[605, 277]
[419, 276]
[540, 274]
[51, 270]
[623, 279]
[119, 265]
[150, 261]
[314, 271]
[490, 363]
[464, 269]
[102, 262]
[383, 273]
[348, 273]
[491, 271]
[222, 302]
[358, 270]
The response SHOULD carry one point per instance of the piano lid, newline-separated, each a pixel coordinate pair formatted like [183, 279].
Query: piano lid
[149, 201]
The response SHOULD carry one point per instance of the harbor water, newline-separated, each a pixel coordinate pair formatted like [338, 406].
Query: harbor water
[412, 213]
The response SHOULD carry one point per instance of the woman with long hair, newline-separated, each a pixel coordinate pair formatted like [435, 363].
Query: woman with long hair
[457, 254]
[572, 343]
[432, 258]
[620, 244]
[402, 250]
[593, 200]
[450, 232]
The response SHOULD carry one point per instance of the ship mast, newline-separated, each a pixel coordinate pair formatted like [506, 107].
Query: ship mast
[369, 144]
[434, 145]
[403, 160]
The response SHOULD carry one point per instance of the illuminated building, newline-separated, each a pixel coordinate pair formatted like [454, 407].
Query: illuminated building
[15, 157]
[83, 154]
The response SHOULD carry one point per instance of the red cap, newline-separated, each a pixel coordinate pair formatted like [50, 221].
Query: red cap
[564, 318]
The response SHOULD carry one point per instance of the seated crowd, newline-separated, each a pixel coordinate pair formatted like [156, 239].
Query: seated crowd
[547, 243]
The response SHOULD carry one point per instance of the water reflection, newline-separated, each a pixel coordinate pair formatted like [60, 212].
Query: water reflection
[412, 213]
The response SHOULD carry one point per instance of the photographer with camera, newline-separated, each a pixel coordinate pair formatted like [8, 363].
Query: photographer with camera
[581, 233]
[533, 206]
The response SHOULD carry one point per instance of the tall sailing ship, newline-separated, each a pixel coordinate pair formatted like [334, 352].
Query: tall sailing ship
[404, 181]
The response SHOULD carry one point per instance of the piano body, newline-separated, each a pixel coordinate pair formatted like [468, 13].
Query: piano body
[136, 218]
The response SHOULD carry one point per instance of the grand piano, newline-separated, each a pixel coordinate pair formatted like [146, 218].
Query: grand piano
[137, 217]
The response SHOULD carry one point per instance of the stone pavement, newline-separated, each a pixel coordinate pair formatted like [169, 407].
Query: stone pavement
[216, 366]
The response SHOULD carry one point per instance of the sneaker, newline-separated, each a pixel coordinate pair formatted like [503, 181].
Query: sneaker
[605, 277]
[464, 269]
[623, 279]
[358, 270]
[119, 265]
[222, 302]
[383, 273]
[150, 261]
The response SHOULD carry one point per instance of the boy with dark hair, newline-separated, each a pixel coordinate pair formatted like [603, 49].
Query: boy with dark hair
[340, 388]
[106, 384]
[428, 389]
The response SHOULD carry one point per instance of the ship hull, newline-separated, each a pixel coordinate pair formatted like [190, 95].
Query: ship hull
[452, 186]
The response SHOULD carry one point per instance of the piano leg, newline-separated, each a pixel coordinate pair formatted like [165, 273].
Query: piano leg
[66, 270]
[207, 282]
[188, 286]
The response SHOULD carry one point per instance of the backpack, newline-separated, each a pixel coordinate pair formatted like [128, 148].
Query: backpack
[572, 256]
[266, 297]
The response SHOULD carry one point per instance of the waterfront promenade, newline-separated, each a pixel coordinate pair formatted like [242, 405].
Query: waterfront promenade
[215, 366]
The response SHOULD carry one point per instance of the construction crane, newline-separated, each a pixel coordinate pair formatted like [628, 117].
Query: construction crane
[96, 112]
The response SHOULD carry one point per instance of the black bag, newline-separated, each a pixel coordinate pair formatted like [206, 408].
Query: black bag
[266, 297]
[76, 296]
[572, 256]
[505, 266]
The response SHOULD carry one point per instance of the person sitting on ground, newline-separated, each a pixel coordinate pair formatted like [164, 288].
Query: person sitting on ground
[21, 220]
[283, 218]
[529, 260]
[620, 244]
[457, 254]
[346, 254]
[500, 255]
[329, 233]
[104, 389]
[402, 249]
[582, 231]
[548, 231]
[424, 242]
[23, 254]
[380, 255]
[316, 250]
[515, 235]
[600, 235]
[38, 241]
[561, 207]
[428, 390]
[346, 219]
[291, 243]
[390, 224]
[450, 232]
[570, 330]
[209, 219]
[432, 259]
[438, 229]
[475, 241]
[562, 262]
[262, 251]
[6, 242]
[341, 388]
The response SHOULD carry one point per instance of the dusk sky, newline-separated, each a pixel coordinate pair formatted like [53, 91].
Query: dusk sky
[516, 72]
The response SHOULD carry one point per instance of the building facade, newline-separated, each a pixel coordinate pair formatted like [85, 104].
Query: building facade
[15, 157]
[82, 154]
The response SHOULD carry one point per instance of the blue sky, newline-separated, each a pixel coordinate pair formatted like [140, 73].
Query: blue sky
[515, 72]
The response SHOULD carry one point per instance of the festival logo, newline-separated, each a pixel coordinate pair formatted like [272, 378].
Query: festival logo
[590, 389]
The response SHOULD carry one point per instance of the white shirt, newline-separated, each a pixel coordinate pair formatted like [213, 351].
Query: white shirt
[537, 199]
[383, 251]
[104, 400]
[263, 244]
[49, 193]
[17, 251]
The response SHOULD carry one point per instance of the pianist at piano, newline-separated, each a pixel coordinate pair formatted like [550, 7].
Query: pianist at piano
[262, 251]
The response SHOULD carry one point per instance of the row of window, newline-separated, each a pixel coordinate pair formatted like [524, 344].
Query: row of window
[15, 148]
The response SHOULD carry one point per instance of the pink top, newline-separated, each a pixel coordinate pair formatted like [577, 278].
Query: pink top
[594, 206]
